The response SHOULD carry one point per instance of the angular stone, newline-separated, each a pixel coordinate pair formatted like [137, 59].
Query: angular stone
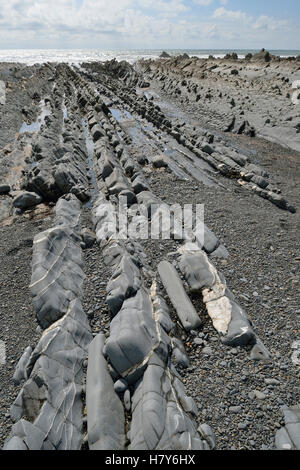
[159, 161]
[57, 274]
[20, 371]
[197, 271]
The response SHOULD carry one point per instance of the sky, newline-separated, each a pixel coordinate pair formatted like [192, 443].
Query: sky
[150, 24]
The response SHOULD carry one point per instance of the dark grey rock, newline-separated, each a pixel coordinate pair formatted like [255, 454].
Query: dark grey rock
[26, 199]
[4, 189]
[158, 161]
[120, 386]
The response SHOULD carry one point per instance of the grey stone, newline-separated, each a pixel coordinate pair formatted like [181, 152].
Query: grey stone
[120, 386]
[4, 189]
[235, 409]
[88, 237]
[288, 437]
[181, 302]
[124, 283]
[207, 351]
[51, 397]
[20, 371]
[159, 419]
[127, 400]
[97, 132]
[259, 352]
[228, 316]
[159, 161]
[57, 274]
[196, 270]
[259, 395]
[133, 335]
[105, 415]
[26, 199]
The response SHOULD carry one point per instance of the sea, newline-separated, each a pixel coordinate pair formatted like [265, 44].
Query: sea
[77, 56]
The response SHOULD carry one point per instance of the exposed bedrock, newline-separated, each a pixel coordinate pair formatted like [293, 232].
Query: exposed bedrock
[161, 412]
[288, 437]
[105, 413]
[251, 96]
[207, 145]
[48, 409]
[181, 302]
[57, 274]
[104, 139]
[227, 315]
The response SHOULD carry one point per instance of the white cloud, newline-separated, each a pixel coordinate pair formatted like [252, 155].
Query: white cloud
[203, 2]
[134, 24]
[268, 23]
[230, 14]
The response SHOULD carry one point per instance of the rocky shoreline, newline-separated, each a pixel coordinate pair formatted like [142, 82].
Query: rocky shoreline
[187, 342]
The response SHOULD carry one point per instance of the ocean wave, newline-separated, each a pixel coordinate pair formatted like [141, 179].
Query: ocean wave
[31, 56]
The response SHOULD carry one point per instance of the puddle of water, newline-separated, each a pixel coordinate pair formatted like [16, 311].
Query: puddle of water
[120, 115]
[191, 164]
[90, 150]
[65, 112]
[36, 126]
[65, 116]
[137, 135]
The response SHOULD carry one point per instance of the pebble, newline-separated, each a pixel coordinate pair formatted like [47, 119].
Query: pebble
[207, 350]
[242, 426]
[272, 382]
[259, 395]
[198, 341]
[235, 409]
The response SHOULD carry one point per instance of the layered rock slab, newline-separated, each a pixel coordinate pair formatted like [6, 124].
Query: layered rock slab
[105, 413]
[50, 399]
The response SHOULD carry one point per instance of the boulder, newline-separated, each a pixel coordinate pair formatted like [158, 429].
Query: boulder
[4, 189]
[26, 199]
